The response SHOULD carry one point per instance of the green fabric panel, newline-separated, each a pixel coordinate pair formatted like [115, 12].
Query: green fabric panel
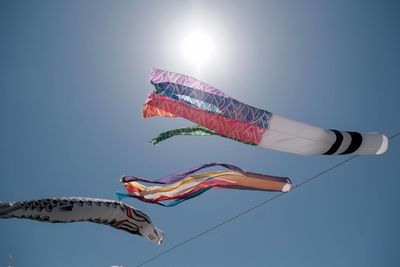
[191, 131]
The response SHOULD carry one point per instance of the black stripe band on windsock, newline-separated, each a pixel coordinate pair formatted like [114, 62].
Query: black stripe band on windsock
[356, 141]
[335, 146]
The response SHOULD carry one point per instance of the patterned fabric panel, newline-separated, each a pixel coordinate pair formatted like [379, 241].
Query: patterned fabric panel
[189, 131]
[227, 127]
[192, 131]
[161, 76]
[221, 105]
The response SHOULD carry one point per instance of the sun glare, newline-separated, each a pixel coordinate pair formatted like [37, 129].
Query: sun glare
[198, 47]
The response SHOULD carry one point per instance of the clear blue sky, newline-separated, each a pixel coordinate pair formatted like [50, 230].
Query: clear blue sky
[73, 77]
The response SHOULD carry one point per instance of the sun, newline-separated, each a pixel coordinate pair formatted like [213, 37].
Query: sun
[198, 47]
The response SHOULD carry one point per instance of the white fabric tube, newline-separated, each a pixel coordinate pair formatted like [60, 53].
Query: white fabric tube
[296, 137]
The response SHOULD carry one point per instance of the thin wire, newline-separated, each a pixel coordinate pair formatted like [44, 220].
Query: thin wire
[250, 209]
[394, 136]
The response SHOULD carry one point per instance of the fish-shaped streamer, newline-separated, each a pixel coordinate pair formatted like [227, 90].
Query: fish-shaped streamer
[177, 95]
[78, 209]
[184, 185]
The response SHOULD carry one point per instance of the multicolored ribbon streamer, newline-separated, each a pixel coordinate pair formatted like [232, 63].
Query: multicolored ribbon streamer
[177, 95]
[184, 185]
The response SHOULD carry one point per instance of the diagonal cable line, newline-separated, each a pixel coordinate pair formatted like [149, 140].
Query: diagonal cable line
[251, 209]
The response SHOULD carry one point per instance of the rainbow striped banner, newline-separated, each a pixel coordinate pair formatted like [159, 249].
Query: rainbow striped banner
[184, 185]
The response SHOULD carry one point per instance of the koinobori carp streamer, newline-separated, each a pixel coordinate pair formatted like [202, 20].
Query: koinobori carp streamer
[79, 209]
[184, 185]
[177, 95]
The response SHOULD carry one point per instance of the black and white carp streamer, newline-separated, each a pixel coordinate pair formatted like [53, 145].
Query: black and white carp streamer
[79, 209]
